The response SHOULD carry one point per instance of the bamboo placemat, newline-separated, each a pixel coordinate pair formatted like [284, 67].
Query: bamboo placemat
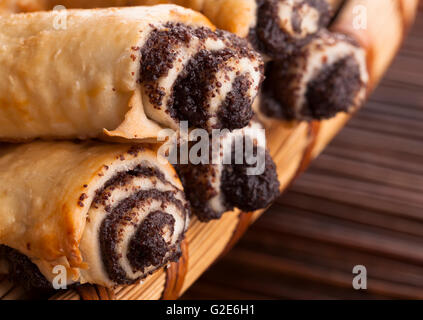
[293, 147]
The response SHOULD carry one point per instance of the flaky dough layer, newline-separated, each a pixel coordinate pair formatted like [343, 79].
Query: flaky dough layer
[93, 55]
[55, 197]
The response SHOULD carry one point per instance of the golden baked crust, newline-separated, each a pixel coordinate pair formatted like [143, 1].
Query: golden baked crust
[99, 94]
[14, 6]
[46, 192]
[236, 16]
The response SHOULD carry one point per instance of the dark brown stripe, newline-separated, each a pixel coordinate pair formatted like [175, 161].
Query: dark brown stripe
[148, 246]
[121, 214]
[88, 292]
[236, 111]
[277, 100]
[247, 192]
[313, 133]
[22, 271]
[198, 189]
[250, 192]
[175, 275]
[244, 222]
[337, 11]
[123, 178]
[271, 40]
[333, 90]
[193, 88]
[158, 53]
[105, 293]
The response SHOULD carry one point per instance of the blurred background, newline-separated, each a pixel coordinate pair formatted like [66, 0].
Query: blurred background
[360, 203]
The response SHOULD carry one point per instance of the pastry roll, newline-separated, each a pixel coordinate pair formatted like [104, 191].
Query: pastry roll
[275, 27]
[107, 214]
[11, 6]
[122, 73]
[327, 76]
[282, 26]
[239, 173]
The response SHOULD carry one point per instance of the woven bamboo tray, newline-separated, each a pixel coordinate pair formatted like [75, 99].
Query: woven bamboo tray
[293, 147]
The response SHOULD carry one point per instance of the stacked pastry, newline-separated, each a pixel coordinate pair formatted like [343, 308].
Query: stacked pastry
[122, 73]
[236, 172]
[325, 77]
[107, 213]
[311, 73]
[13, 6]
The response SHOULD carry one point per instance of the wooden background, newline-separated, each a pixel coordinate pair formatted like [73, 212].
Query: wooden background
[360, 203]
